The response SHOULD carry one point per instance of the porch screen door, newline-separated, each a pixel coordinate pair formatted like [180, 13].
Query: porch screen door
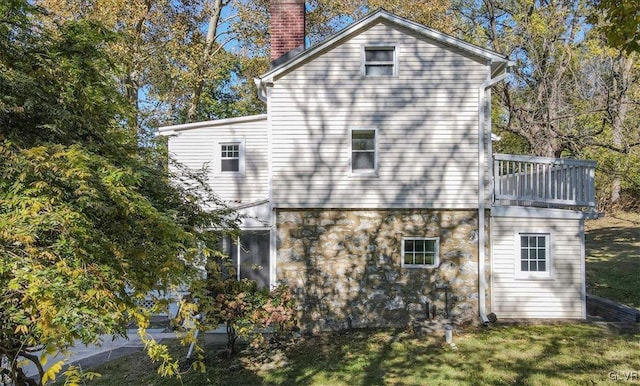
[254, 256]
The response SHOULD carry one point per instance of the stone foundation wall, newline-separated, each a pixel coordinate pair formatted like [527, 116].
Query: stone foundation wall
[344, 266]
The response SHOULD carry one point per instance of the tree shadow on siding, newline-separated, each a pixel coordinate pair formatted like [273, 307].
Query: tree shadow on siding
[558, 297]
[252, 184]
[426, 120]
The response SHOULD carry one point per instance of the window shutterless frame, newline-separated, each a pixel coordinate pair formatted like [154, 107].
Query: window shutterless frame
[533, 257]
[420, 252]
[363, 151]
[379, 60]
[231, 155]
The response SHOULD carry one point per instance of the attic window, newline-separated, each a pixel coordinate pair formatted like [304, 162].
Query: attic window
[380, 61]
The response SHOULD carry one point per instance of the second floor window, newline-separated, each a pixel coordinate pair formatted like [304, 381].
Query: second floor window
[363, 150]
[379, 61]
[230, 157]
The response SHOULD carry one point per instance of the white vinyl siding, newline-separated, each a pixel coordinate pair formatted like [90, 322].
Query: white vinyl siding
[426, 119]
[559, 294]
[201, 147]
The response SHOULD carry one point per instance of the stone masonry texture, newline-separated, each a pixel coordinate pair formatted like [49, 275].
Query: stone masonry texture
[344, 266]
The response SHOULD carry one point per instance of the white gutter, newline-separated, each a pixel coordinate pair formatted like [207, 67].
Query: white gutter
[175, 129]
[261, 88]
[482, 121]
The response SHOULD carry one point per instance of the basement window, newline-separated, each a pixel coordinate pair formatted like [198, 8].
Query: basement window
[420, 252]
[533, 258]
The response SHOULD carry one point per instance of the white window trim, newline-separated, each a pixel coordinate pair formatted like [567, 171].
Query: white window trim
[241, 155]
[527, 275]
[381, 45]
[436, 259]
[364, 172]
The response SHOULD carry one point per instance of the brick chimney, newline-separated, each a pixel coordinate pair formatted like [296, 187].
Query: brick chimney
[287, 29]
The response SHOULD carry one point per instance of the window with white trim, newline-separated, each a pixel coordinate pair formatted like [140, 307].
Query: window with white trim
[379, 61]
[533, 255]
[363, 150]
[418, 252]
[230, 157]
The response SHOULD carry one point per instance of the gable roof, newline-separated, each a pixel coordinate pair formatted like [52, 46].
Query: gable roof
[498, 61]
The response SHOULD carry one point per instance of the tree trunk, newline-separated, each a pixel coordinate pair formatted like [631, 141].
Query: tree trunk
[620, 85]
[231, 340]
[201, 70]
[132, 77]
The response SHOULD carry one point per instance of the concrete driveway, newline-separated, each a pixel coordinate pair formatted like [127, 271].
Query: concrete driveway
[87, 356]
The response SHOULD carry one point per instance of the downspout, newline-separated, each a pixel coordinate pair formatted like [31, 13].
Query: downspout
[482, 122]
[263, 94]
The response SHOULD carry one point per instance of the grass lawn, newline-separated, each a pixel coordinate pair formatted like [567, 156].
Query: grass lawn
[559, 354]
[562, 354]
[613, 257]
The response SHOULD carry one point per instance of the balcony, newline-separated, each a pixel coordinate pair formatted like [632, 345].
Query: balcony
[543, 182]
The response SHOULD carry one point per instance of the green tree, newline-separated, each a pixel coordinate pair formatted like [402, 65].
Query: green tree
[172, 53]
[192, 60]
[569, 94]
[611, 82]
[90, 221]
[543, 38]
[619, 20]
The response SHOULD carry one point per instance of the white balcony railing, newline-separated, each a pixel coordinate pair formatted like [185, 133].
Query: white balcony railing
[540, 181]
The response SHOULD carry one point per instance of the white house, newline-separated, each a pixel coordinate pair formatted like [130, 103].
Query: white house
[372, 188]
